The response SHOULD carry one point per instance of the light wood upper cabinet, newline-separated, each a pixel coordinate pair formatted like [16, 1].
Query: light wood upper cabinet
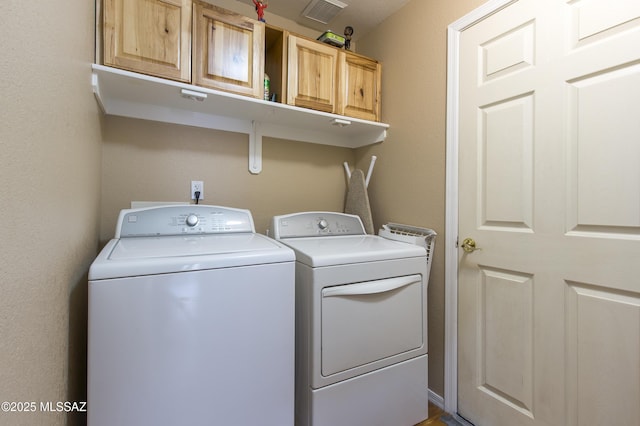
[149, 36]
[199, 43]
[328, 79]
[228, 51]
[312, 74]
[359, 87]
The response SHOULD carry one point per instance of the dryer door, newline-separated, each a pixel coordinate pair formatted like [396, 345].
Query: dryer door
[372, 323]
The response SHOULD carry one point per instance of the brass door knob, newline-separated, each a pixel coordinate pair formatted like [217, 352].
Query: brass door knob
[469, 245]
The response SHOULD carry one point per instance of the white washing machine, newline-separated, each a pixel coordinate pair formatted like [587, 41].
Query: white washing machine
[361, 323]
[191, 322]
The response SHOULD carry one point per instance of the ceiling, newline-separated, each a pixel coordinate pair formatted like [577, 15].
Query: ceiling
[362, 15]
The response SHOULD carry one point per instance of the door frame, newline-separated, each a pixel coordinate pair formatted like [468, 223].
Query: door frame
[454, 32]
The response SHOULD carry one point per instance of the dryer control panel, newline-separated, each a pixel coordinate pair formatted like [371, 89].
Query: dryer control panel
[183, 220]
[316, 224]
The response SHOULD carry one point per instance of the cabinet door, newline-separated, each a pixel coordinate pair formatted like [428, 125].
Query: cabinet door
[149, 36]
[359, 94]
[228, 51]
[312, 74]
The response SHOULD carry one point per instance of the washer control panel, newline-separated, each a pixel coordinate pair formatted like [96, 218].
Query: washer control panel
[183, 220]
[315, 224]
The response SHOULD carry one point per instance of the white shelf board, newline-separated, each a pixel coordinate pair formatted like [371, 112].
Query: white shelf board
[130, 94]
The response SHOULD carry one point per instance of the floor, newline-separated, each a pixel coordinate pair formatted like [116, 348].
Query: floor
[435, 413]
[436, 416]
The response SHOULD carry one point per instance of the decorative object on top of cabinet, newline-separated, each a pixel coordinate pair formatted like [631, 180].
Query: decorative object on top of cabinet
[312, 74]
[227, 51]
[348, 32]
[329, 37]
[261, 5]
[149, 36]
[359, 85]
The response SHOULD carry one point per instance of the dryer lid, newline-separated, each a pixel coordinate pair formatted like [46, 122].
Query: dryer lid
[342, 250]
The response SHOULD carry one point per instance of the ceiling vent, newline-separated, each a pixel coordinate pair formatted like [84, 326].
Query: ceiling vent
[323, 10]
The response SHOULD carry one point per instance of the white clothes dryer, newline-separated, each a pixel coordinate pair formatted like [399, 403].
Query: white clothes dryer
[191, 322]
[361, 323]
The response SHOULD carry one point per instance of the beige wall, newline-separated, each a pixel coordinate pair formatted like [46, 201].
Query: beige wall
[149, 161]
[49, 202]
[408, 185]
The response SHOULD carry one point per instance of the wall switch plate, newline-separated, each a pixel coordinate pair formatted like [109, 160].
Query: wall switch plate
[197, 185]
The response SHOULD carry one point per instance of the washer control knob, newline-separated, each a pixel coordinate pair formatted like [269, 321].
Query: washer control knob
[323, 224]
[192, 220]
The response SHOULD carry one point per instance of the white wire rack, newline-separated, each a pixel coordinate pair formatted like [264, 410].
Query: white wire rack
[424, 237]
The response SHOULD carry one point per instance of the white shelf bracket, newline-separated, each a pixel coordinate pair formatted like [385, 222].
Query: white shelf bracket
[95, 85]
[255, 148]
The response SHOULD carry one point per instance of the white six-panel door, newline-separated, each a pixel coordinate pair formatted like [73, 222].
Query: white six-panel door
[549, 189]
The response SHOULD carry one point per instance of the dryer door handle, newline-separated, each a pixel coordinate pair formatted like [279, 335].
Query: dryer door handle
[371, 287]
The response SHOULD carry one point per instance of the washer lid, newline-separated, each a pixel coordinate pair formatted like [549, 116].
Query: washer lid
[127, 257]
[342, 250]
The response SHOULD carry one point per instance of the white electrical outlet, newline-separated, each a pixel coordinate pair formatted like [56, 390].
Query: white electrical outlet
[197, 185]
